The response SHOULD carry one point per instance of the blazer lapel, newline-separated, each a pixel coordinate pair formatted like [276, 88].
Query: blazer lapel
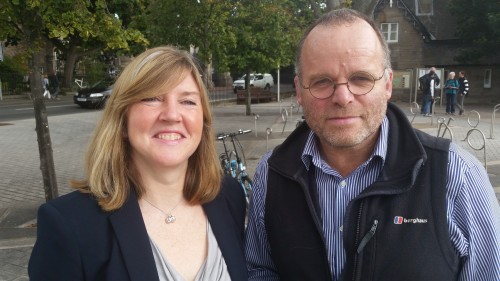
[133, 241]
[227, 237]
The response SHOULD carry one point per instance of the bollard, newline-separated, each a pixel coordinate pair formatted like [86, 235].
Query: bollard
[292, 106]
[268, 132]
[256, 117]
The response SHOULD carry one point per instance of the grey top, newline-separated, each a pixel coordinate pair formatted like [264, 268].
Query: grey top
[213, 269]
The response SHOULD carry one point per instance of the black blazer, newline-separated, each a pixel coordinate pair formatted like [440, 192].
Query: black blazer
[76, 240]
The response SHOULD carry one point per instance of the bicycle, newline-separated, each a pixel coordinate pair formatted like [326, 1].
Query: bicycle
[235, 166]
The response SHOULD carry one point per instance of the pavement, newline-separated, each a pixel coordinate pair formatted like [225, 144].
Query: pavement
[21, 188]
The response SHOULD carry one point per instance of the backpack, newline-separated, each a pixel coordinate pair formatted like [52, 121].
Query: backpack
[423, 83]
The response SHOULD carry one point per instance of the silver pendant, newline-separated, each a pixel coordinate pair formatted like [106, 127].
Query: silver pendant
[170, 219]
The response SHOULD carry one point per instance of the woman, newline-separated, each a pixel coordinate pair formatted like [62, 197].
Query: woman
[451, 87]
[154, 205]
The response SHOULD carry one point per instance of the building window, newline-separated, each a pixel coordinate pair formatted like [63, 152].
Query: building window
[390, 32]
[424, 7]
[487, 78]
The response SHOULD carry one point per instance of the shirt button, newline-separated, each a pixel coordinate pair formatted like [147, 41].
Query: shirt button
[343, 183]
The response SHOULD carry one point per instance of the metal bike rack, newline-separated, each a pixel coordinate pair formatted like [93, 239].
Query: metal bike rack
[497, 107]
[483, 147]
[268, 132]
[417, 108]
[433, 108]
[256, 117]
[441, 121]
[469, 118]
[284, 116]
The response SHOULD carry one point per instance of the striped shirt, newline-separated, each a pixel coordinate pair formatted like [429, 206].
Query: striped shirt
[473, 212]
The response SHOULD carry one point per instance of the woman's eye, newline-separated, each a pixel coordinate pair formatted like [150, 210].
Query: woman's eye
[189, 102]
[151, 99]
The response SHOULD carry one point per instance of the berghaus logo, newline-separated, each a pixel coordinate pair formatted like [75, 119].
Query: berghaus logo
[402, 220]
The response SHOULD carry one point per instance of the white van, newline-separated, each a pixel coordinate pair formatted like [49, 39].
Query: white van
[256, 80]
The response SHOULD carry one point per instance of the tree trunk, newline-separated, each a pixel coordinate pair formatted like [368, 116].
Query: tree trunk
[42, 127]
[69, 66]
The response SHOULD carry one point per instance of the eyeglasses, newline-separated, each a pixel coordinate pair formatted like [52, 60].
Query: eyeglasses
[359, 83]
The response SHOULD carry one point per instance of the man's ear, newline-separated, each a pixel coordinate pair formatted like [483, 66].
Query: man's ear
[298, 89]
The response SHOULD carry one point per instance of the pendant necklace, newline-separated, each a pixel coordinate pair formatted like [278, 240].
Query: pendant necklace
[169, 218]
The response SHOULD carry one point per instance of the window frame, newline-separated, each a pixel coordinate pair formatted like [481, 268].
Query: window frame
[387, 32]
[487, 78]
[417, 8]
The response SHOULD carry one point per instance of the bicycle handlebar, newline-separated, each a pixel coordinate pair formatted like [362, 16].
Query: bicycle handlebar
[221, 136]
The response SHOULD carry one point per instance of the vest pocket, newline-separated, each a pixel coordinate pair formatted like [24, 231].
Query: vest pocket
[368, 236]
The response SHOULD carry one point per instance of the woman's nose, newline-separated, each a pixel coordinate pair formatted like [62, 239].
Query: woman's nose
[170, 111]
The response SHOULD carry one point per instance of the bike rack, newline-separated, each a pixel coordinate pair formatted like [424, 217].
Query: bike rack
[469, 118]
[256, 117]
[495, 108]
[433, 109]
[414, 104]
[441, 121]
[268, 132]
[483, 147]
[284, 116]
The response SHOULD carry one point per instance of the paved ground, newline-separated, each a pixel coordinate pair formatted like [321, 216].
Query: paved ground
[21, 190]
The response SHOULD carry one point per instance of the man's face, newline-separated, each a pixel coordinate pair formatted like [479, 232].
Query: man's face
[344, 120]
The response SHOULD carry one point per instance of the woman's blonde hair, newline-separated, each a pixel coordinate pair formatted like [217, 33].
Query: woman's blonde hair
[110, 171]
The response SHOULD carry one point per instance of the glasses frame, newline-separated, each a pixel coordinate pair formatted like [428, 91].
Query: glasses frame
[347, 84]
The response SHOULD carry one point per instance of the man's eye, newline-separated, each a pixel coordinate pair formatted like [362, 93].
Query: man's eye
[360, 78]
[322, 83]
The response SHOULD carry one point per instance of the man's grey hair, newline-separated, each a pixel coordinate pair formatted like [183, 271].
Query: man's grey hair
[336, 18]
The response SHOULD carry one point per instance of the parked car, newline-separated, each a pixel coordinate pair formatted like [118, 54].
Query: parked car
[265, 81]
[94, 96]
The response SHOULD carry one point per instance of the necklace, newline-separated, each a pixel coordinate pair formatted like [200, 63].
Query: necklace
[169, 218]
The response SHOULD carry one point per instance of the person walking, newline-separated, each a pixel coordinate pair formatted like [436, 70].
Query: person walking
[54, 86]
[355, 192]
[463, 91]
[46, 84]
[154, 204]
[451, 87]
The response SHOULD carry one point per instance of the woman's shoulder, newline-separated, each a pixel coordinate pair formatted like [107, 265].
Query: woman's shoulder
[76, 203]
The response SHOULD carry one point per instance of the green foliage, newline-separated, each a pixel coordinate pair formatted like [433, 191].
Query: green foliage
[202, 24]
[267, 34]
[478, 27]
[12, 70]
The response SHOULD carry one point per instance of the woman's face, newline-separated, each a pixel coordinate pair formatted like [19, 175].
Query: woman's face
[164, 131]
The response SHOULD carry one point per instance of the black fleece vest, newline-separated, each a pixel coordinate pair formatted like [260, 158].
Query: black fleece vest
[396, 229]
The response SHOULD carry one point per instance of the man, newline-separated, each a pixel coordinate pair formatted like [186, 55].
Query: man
[463, 90]
[428, 83]
[355, 193]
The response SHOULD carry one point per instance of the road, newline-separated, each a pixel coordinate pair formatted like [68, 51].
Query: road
[20, 109]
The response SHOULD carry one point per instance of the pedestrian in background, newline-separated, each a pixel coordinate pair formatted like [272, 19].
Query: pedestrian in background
[355, 192]
[463, 91]
[154, 204]
[45, 82]
[451, 87]
[428, 83]
[54, 86]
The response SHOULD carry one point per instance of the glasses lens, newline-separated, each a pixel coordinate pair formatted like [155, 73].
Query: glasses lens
[321, 88]
[360, 83]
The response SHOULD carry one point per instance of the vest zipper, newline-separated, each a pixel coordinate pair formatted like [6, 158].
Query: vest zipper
[356, 241]
[368, 236]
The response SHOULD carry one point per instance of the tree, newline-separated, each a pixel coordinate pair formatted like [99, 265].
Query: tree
[81, 28]
[37, 25]
[200, 25]
[478, 27]
[267, 33]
